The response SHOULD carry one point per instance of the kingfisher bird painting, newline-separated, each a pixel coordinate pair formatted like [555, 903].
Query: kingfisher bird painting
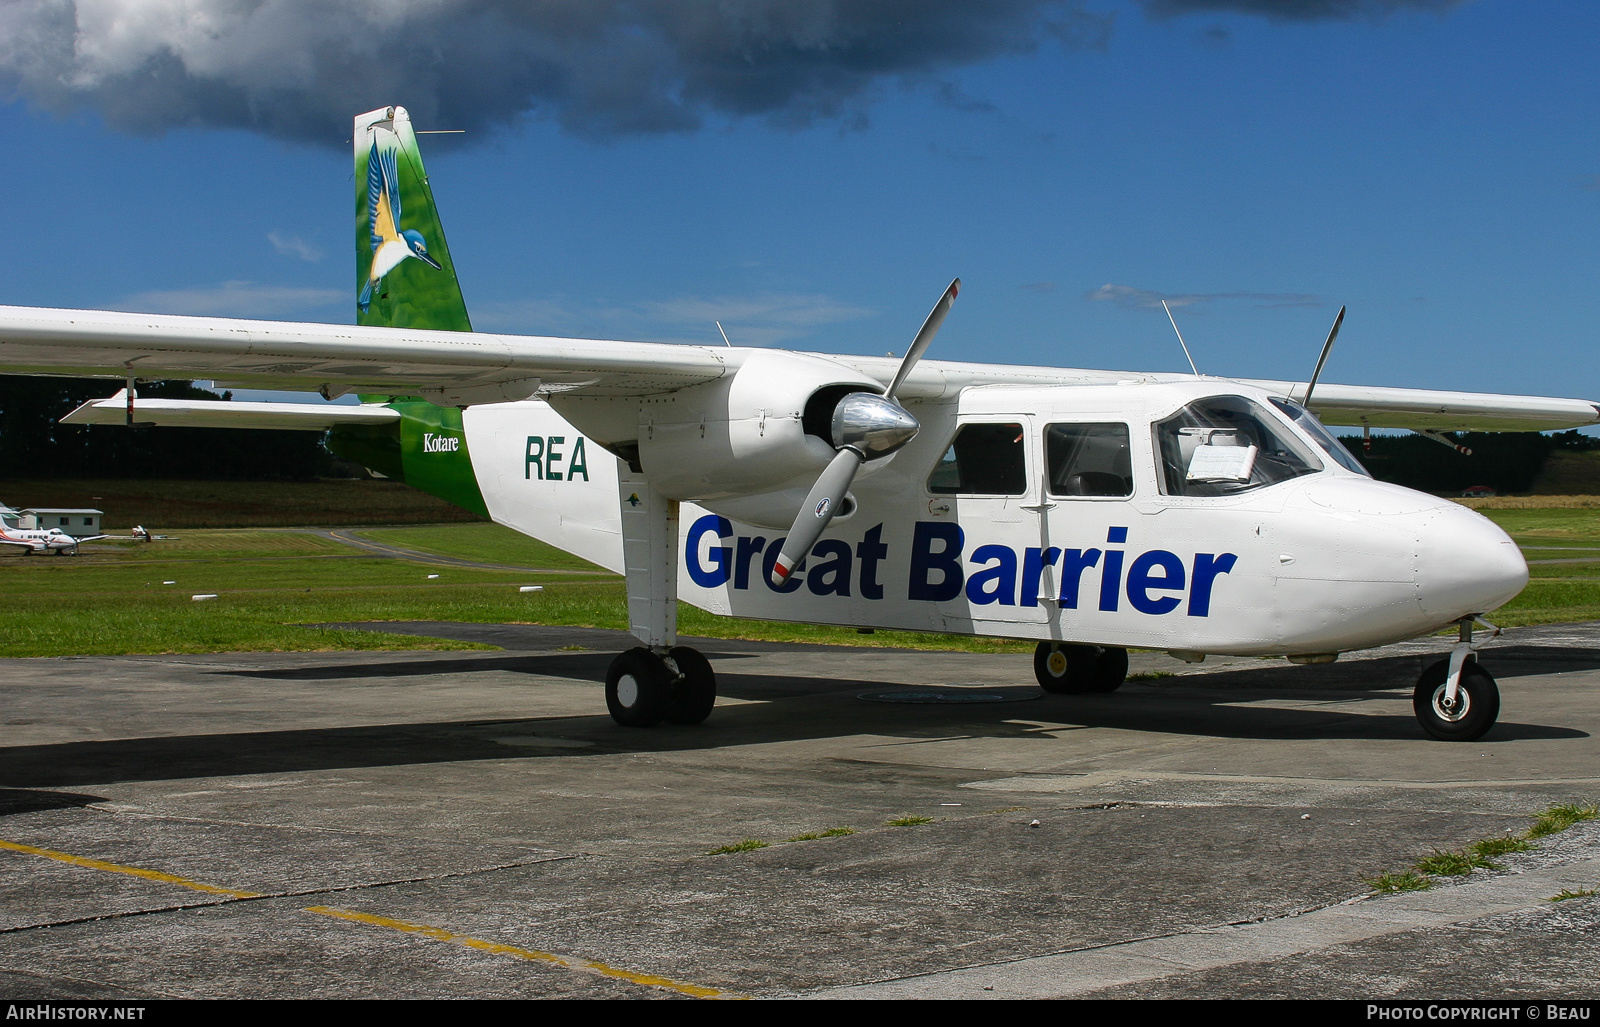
[390, 244]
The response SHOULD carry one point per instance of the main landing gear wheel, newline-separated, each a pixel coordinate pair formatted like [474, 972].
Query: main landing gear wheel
[642, 689]
[1070, 669]
[695, 691]
[1474, 711]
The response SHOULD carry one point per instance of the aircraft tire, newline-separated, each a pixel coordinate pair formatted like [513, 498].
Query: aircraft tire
[695, 692]
[1108, 672]
[638, 688]
[1478, 690]
[1054, 668]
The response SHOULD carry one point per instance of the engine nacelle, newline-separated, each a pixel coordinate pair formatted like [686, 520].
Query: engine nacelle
[765, 428]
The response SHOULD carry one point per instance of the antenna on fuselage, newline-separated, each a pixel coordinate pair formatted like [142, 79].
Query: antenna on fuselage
[725, 341]
[1185, 345]
[1327, 347]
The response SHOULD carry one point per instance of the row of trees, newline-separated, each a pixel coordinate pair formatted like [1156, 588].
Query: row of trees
[1504, 461]
[34, 445]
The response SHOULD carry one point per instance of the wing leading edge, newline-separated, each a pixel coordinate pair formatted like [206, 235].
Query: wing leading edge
[402, 361]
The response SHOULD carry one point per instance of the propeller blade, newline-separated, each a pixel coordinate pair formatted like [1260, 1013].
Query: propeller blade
[821, 504]
[919, 345]
[1327, 347]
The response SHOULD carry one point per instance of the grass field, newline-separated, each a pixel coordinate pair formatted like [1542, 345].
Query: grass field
[271, 583]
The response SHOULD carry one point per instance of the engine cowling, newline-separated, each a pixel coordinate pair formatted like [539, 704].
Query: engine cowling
[766, 428]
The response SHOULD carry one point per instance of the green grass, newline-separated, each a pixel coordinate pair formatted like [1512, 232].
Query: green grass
[745, 846]
[1453, 864]
[485, 543]
[1549, 526]
[1556, 593]
[272, 582]
[1567, 893]
[1408, 880]
[911, 821]
[1498, 846]
[1476, 856]
[1558, 818]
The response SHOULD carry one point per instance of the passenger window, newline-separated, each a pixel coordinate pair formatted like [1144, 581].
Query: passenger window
[1223, 445]
[984, 460]
[1088, 460]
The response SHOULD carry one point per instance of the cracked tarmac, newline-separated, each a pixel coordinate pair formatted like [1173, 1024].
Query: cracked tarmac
[474, 825]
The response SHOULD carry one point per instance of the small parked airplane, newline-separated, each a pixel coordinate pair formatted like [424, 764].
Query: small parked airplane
[37, 540]
[1092, 511]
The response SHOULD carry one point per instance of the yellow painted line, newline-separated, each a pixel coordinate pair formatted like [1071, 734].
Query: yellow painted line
[118, 868]
[436, 933]
[532, 955]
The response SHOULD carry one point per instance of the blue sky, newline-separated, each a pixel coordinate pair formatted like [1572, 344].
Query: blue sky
[1436, 168]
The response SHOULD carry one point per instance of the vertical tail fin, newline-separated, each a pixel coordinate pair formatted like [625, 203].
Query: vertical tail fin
[404, 275]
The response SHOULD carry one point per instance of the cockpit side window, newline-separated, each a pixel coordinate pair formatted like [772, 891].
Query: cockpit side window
[983, 460]
[1224, 445]
[1088, 460]
[1307, 422]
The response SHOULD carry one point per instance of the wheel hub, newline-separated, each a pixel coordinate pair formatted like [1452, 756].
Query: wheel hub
[1446, 710]
[627, 691]
[1057, 663]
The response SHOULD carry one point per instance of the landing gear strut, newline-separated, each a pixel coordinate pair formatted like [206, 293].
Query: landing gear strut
[644, 688]
[1070, 669]
[1456, 700]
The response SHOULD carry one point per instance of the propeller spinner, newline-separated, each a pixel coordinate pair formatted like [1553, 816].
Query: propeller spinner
[865, 426]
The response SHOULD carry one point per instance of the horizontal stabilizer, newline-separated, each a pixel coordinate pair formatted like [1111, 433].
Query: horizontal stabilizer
[192, 413]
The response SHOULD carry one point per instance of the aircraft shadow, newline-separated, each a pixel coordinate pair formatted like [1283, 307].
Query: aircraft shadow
[783, 709]
[17, 800]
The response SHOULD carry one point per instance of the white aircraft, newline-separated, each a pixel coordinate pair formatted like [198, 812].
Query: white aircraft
[37, 540]
[1092, 511]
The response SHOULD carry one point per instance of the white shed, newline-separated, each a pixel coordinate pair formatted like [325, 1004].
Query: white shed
[74, 521]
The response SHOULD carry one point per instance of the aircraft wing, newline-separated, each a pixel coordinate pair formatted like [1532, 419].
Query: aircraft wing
[188, 413]
[1440, 411]
[102, 343]
[291, 355]
[1375, 406]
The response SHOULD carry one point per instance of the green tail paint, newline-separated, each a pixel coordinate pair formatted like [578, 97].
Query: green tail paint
[405, 279]
[404, 275]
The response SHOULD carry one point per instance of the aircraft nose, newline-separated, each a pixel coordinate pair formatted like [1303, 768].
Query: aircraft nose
[1466, 564]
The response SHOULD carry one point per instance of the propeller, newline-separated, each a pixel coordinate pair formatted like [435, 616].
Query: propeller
[865, 426]
[1327, 347]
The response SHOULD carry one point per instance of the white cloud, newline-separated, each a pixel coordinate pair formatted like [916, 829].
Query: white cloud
[294, 246]
[1141, 299]
[764, 319]
[235, 299]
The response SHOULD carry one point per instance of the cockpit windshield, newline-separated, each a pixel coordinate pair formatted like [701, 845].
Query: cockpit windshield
[1308, 423]
[1224, 445]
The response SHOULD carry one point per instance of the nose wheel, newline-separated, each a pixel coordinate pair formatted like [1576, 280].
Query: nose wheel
[643, 687]
[1456, 700]
[1463, 717]
[1066, 668]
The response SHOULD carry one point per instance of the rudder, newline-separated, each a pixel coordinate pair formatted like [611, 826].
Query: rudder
[404, 275]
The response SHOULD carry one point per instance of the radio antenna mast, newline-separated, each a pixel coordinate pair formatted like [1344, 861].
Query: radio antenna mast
[1185, 345]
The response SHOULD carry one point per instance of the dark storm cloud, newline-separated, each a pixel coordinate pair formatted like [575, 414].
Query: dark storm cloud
[602, 68]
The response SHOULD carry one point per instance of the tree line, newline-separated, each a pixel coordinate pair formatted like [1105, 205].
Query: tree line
[34, 445]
